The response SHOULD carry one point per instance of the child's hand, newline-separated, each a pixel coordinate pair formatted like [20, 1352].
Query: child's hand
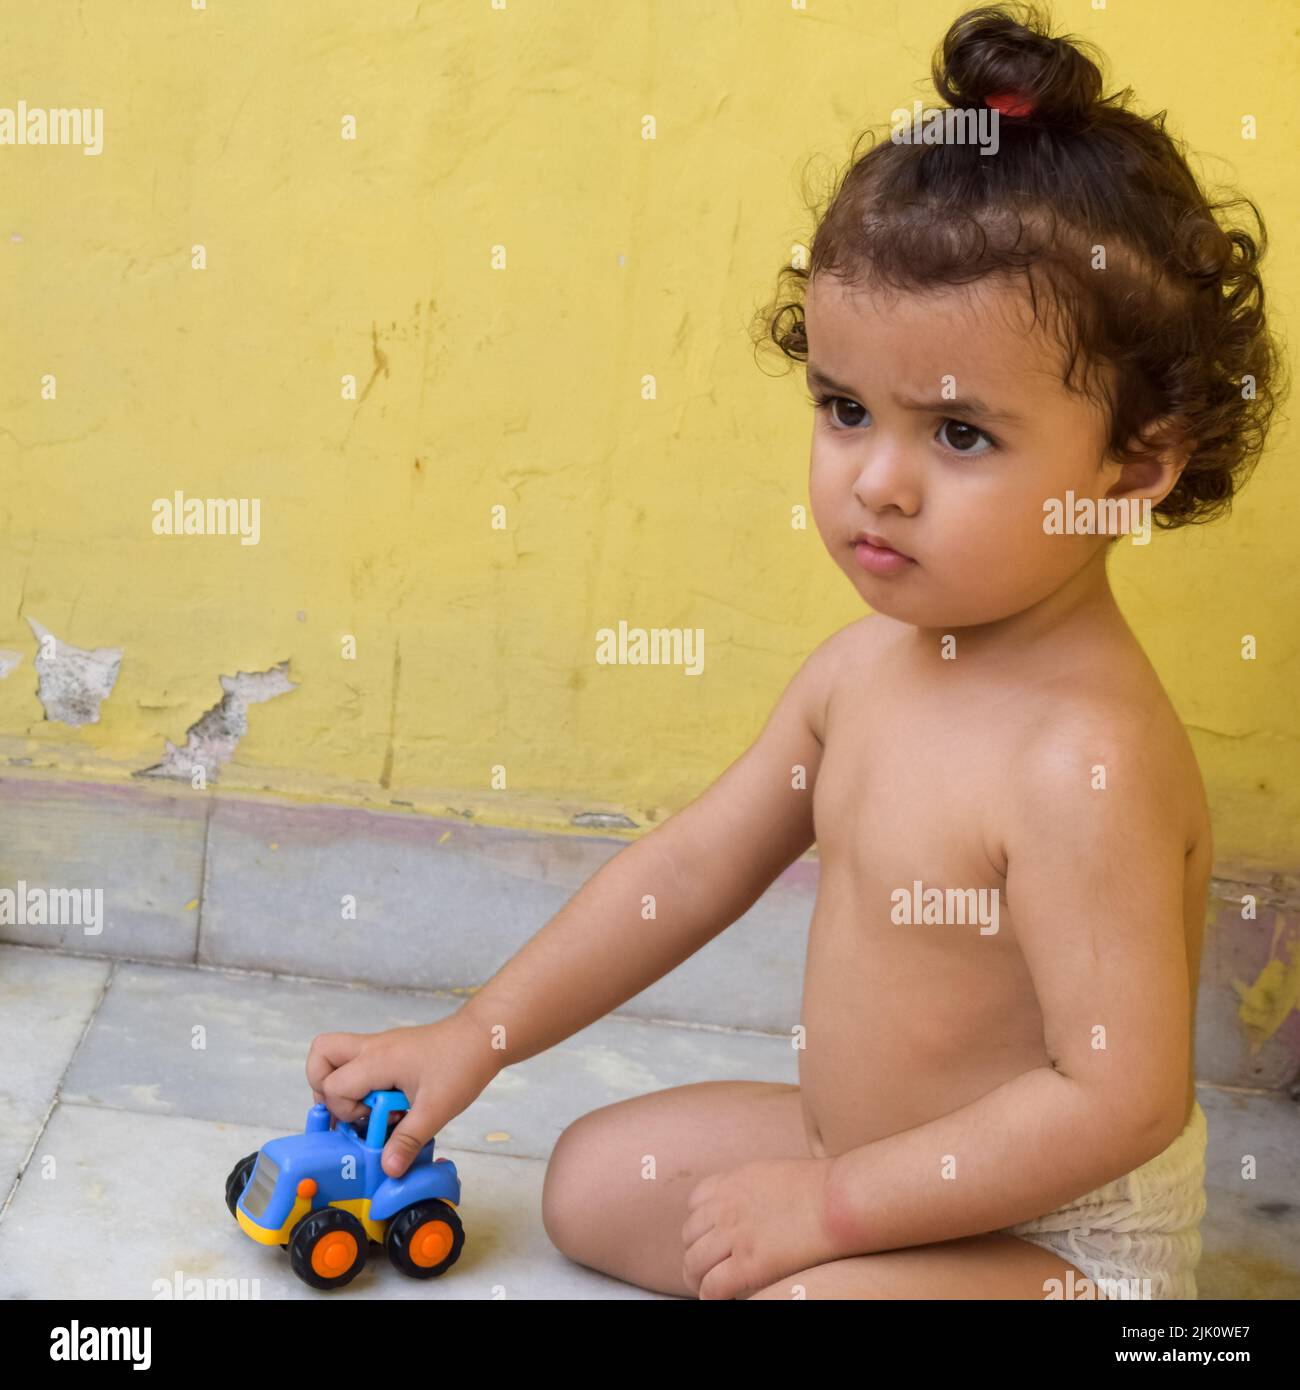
[750, 1226]
[440, 1066]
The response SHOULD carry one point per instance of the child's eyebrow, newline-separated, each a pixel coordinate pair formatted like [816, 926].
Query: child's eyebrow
[969, 404]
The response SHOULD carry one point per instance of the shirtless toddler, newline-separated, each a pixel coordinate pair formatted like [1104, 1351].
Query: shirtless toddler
[976, 1090]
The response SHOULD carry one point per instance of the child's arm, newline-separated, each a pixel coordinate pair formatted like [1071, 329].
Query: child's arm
[1095, 888]
[703, 868]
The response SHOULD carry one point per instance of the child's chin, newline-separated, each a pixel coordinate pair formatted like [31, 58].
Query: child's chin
[920, 597]
[921, 610]
[888, 595]
[878, 599]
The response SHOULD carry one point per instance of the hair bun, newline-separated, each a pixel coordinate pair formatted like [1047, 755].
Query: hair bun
[1008, 51]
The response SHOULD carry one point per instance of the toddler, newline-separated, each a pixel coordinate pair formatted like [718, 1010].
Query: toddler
[1015, 348]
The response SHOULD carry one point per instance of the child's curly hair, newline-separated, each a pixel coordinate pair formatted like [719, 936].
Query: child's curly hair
[1178, 309]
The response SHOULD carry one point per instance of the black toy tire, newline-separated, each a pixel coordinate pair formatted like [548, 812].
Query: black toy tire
[311, 1229]
[238, 1181]
[408, 1220]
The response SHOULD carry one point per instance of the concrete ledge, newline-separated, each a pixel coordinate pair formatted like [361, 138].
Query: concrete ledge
[442, 904]
[143, 849]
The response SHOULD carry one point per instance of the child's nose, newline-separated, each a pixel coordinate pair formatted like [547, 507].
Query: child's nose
[887, 477]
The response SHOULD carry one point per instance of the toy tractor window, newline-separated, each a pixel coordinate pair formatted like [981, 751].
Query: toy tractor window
[260, 1189]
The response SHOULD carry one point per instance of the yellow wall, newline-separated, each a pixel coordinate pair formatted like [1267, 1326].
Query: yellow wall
[520, 127]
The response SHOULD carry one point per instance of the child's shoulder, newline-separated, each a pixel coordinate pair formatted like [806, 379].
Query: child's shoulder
[1107, 694]
[848, 652]
[863, 638]
[1108, 728]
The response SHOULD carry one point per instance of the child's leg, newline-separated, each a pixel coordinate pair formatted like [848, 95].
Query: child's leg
[600, 1210]
[986, 1266]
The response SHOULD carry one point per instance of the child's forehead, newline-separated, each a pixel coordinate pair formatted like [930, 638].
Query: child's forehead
[986, 308]
[986, 327]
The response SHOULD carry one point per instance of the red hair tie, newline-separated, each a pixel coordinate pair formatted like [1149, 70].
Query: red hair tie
[1011, 103]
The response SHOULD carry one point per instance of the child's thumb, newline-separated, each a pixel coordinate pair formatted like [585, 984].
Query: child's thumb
[413, 1132]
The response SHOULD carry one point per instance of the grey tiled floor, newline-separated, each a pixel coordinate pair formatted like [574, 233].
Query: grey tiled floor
[116, 1134]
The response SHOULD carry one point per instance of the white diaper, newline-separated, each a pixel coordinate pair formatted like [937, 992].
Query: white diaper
[1143, 1226]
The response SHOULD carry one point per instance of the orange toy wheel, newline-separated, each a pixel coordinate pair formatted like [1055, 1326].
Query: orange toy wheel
[328, 1248]
[431, 1243]
[425, 1239]
[333, 1254]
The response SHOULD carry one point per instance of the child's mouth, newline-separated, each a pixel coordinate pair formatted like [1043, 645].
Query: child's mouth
[877, 558]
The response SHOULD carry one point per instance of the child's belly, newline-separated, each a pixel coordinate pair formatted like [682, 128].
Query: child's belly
[905, 1021]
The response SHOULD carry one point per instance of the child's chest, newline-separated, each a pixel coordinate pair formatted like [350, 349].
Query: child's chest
[915, 990]
[909, 801]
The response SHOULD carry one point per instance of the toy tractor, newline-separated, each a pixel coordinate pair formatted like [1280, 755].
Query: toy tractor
[323, 1196]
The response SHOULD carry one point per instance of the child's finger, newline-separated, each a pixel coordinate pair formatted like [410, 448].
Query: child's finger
[348, 1085]
[327, 1052]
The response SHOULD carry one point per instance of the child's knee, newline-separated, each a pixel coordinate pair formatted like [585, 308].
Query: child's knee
[573, 1186]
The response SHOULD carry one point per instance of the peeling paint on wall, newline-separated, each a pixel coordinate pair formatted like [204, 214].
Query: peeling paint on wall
[72, 682]
[8, 661]
[211, 742]
[1269, 1000]
[603, 820]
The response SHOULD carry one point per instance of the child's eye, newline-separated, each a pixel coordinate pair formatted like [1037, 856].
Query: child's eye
[962, 438]
[837, 420]
[956, 435]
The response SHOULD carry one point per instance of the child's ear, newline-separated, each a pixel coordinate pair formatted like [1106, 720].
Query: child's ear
[1156, 457]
